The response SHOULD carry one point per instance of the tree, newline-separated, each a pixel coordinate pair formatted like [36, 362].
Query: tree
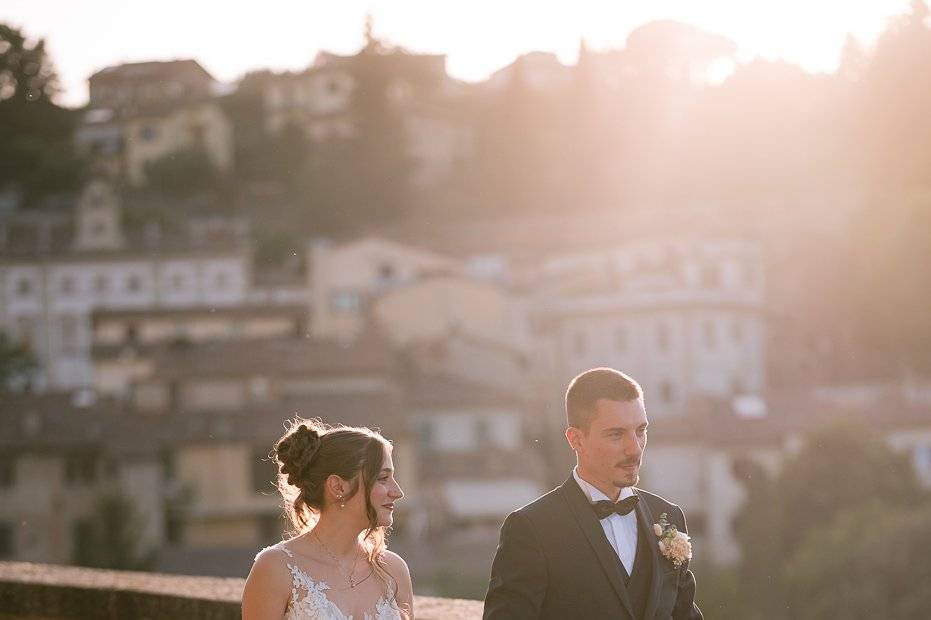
[37, 155]
[26, 73]
[110, 538]
[16, 363]
[888, 249]
[870, 563]
[841, 467]
[893, 97]
[379, 151]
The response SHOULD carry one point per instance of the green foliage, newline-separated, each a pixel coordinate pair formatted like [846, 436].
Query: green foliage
[111, 538]
[718, 593]
[841, 468]
[26, 74]
[887, 255]
[869, 563]
[37, 154]
[276, 247]
[16, 363]
[182, 172]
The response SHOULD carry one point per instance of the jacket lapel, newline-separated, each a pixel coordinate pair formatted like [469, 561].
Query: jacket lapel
[646, 520]
[585, 516]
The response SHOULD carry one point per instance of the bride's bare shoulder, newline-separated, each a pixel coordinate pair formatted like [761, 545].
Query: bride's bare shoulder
[268, 585]
[394, 561]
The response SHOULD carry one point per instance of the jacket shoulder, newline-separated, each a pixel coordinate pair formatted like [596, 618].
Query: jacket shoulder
[541, 505]
[658, 502]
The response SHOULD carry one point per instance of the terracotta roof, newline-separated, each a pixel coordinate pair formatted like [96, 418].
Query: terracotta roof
[425, 391]
[290, 357]
[55, 423]
[151, 70]
[244, 310]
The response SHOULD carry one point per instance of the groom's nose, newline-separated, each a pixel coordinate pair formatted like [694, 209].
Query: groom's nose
[632, 446]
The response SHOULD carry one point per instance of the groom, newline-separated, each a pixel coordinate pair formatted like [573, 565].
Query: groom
[588, 549]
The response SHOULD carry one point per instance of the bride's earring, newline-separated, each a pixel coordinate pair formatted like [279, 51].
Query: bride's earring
[342, 504]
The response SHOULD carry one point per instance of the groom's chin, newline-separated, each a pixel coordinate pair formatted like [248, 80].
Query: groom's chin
[627, 481]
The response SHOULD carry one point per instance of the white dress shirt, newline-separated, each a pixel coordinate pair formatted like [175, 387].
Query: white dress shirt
[621, 530]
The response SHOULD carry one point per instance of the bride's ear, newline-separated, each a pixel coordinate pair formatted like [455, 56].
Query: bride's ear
[337, 489]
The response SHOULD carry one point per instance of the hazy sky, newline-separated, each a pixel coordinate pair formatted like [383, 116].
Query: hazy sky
[479, 36]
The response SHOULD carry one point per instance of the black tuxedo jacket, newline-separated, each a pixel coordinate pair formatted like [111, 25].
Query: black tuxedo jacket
[555, 562]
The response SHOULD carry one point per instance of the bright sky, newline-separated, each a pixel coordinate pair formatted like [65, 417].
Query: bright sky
[479, 36]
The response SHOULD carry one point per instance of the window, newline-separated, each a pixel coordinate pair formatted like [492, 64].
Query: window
[26, 330]
[482, 432]
[7, 472]
[24, 287]
[6, 540]
[101, 284]
[67, 285]
[169, 464]
[80, 469]
[134, 284]
[69, 334]
[346, 301]
[223, 281]
[177, 281]
[82, 540]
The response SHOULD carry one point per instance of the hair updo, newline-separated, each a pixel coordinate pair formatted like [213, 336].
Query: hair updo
[310, 452]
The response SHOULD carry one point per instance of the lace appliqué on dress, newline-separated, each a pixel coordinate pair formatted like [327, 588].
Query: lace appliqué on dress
[309, 600]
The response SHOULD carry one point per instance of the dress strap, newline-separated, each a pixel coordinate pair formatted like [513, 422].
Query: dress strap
[279, 546]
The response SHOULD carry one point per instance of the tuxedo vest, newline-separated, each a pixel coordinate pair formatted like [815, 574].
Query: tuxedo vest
[641, 579]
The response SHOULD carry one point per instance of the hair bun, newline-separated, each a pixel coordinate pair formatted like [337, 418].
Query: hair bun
[296, 451]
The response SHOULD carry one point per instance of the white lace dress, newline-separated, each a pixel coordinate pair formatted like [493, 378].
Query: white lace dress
[309, 600]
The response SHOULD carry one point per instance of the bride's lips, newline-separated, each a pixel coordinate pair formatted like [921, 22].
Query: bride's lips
[388, 506]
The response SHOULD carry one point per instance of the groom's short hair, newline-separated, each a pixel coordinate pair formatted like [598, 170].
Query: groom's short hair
[587, 388]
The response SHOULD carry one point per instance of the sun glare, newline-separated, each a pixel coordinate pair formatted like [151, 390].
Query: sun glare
[478, 37]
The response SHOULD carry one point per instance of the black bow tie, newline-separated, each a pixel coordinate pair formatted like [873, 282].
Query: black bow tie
[605, 508]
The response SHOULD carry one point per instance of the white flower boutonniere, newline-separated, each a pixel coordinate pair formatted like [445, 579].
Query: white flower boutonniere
[673, 544]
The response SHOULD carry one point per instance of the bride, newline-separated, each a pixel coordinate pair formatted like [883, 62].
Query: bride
[340, 492]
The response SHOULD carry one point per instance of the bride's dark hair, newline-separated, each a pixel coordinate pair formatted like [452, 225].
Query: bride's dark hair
[310, 452]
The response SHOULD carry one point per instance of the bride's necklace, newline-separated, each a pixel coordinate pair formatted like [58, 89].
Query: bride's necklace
[339, 565]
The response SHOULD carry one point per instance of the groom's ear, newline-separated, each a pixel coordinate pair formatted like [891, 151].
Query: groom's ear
[574, 437]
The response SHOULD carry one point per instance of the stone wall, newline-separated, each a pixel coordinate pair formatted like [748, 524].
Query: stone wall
[48, 592]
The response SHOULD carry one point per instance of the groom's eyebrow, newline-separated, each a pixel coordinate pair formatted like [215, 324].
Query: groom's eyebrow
[620, 429]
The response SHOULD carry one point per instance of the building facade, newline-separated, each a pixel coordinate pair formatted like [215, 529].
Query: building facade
[55, 272]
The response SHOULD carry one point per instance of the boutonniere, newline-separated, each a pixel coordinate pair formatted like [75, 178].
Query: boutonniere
[673, 544]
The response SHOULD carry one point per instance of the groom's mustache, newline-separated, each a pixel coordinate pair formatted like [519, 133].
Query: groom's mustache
[628, 463]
